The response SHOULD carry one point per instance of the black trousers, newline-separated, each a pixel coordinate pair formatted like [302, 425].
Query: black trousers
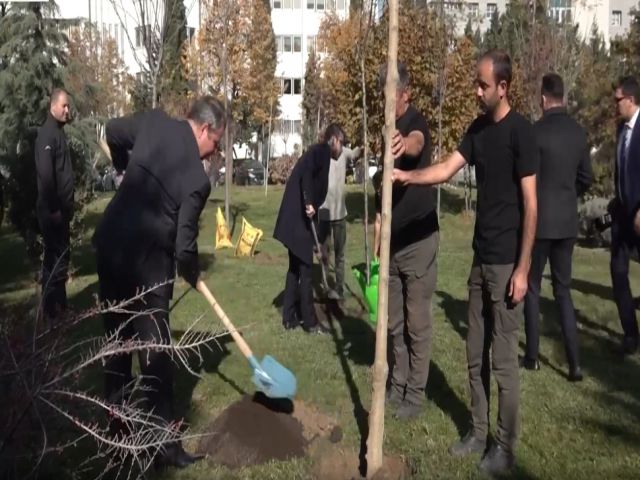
[623, 240]
[560, 255]
[55, 263]
[147, 320]
[298, 294]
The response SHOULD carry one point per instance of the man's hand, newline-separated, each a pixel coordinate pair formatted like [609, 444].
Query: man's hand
[56, 217]
[310, 211]
[518, 285]
[636, 223]
[398, 145]
[400, 176]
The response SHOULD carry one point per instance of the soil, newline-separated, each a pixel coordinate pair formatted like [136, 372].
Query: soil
[256, 430]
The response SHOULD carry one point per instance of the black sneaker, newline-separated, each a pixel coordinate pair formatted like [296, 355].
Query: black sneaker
[469, 445]
[497, 461]
[408, 410]
[318, 329]
[575, 374]
[529, 364]
[394, 398]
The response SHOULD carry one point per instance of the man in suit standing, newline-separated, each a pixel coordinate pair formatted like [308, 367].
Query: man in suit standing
[305, 191]
[565, 173]
[625, 208]
[150, 225]
[55, 202]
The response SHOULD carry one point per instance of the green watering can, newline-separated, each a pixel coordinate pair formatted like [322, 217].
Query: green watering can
[370, 291]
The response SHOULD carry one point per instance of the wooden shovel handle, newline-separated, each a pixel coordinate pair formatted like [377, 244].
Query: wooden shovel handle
[242, 344]
[105, 148]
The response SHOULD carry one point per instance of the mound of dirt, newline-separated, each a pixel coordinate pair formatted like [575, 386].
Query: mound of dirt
[256, 430]
[253, 431]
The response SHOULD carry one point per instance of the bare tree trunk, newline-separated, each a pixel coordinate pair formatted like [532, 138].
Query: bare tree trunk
[380, 367]
[228, 160]
[365, 169]
[266, 170]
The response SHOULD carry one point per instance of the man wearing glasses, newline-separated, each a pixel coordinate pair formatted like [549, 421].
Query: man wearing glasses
[624, 209]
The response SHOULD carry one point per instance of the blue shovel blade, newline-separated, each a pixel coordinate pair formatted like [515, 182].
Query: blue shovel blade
[272, 378]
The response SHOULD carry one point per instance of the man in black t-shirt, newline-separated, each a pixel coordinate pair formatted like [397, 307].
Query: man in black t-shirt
[412, 267]
[500, 144]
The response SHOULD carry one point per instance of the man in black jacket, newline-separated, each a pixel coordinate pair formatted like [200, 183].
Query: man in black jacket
[305, 191]
[152, 223]
[55, 202]
[565, 173]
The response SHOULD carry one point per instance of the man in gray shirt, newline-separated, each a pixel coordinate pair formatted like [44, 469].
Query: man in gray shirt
[333, 213]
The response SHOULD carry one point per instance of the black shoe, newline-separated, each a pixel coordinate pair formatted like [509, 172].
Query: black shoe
[174, 455]
[394, 397]
[408, 410]
[629, 346]
[291, 325]
[497, 461]
[468, 446]
[529, 364]
[318, 329]
[575, 374]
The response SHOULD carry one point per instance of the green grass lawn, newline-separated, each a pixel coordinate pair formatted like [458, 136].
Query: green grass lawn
[589, 430]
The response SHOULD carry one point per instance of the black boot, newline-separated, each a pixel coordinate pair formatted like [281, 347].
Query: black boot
[469, 445]
[575, 373]
[173, 455]
[529, 364]
[497, 461]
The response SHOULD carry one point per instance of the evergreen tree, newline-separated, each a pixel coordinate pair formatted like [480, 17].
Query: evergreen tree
[33, 58]
[173, 85]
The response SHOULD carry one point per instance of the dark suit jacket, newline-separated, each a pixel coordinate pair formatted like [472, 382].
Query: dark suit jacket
[565, 173]
[307, 185]
[628, 179]
[156, 209]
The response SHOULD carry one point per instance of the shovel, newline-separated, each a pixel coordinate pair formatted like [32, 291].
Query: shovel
[269, 376]
[331, 294]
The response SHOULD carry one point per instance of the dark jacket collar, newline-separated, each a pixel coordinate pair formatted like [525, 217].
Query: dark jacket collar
[52, 121]
[555, 111]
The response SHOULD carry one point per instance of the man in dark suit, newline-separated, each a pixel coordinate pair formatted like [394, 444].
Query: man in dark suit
[55, 202]
[305, 191]
[565, 173]
[624, 209]
[150, 224]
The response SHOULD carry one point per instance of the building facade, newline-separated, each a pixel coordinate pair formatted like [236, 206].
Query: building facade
[296, 24]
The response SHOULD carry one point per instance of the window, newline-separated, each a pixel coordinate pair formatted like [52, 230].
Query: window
[116, 37]
[474, 9]
[491, 9]
[311, 4]
[191, 32]
[277, 3]
[331, 4]
[297, 44]
[286, 4]
[340, 5]
[320, 4]
[287, 44]
[560, 10]
[311, 44]
[140, 34]
[616, 18]
[291, 86]
[286, 86]
[296, 4]
[453, 6]
[297, 127]
[279, 43]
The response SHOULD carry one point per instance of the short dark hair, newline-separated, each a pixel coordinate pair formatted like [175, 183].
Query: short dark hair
[553, 86]
[208, 109]
[403, 76]
[502, 70]
[55, 94]
[630, 88]
[335, 130]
